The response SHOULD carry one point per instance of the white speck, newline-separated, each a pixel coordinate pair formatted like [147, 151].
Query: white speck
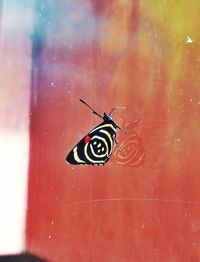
[191, 100]
[53, 84]
[157, 249]
[102, 149]
[189, 39]
[194, 244]
[99, 145]
[52, 222]
[50, 236]
[143, 226]
[99, 150]
[198, 102]
[69, 91]
[178, 139]
[95, 142]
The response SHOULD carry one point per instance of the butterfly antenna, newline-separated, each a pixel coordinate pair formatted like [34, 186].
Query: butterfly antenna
[112, 112]
[93, 111]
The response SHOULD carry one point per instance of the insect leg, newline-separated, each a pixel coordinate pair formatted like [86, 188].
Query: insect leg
[116, 142]
[123, 130]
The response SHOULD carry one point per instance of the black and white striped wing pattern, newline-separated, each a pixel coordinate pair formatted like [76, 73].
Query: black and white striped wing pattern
[96, 147]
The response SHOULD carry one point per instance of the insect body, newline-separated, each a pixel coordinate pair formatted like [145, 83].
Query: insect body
[96, 147]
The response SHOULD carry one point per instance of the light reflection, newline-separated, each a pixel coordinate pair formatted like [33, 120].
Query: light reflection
[15, 79]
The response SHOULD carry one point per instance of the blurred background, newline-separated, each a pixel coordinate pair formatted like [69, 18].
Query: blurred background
[15, 94]
[141, 58]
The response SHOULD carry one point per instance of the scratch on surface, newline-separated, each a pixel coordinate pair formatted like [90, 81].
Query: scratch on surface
[176, 201]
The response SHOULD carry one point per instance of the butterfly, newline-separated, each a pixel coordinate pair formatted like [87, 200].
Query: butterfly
[96, 147]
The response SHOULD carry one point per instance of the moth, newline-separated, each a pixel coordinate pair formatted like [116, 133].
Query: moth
[96, 147]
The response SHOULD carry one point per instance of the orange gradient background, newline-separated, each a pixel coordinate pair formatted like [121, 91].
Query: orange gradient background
[143, 58]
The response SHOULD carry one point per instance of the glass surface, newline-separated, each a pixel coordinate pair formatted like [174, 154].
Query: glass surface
[139, 59]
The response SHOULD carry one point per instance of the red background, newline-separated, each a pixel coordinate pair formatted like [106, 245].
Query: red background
[107, 53]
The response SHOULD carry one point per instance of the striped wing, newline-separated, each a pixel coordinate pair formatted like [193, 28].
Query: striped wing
[96, 147]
